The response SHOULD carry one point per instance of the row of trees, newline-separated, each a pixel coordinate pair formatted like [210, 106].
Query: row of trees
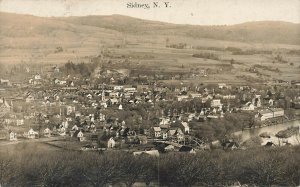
[211, 56]
[272, 166]
[83, 69]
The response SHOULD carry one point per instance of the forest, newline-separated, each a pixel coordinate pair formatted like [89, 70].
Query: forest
[259, 166]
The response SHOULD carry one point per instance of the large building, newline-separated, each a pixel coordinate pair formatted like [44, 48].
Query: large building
[270, 113]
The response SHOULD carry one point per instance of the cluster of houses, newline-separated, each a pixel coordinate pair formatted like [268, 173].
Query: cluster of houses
[55, 102]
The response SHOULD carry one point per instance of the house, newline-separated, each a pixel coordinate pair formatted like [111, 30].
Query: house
[75, 128]
[117, 88]
[186, 128]
[169, 148]
[37, 77]
[93, 128]
[216, 103]
[111, 143]
[157, 132]
[229, 96]
[65, 124]
[62, 131]
[4, 81]
[101, 117]
[143, 139]
[221, 85]
[171, 132]
[270, 113]
[142, 88]
[20, 122]
[62, 82]
[12, 136]
[151, 153]
[70, 109]
[71, 84]
[29, 98]
[47, 132]
[164, 121]
[31, 134]
[176, 134]
[80, 136]
[196, 95]
[89, 96]
[56, 81]
[164, 133]
[130, 90]
[120, 107]
[248, 106]
[182, 97]
[56, 69]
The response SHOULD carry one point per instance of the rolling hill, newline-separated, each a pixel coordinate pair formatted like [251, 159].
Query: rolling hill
[34, 39]
[263, 31]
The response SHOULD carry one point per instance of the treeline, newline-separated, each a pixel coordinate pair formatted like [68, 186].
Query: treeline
[262, 166]
[251, 52]
[219, 129]
[211, 56]
[268, 68]
[294, 52]
[177, 46]
[239, 51]
[83, 69]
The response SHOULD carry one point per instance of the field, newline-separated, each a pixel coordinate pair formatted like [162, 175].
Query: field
[57, 41]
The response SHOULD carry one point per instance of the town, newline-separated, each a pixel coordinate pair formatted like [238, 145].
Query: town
[98, 107]
[115, 101]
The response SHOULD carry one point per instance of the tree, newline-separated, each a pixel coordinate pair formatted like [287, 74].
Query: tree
[8, 171]
[131, 169]
[99, 171]
[187, 170]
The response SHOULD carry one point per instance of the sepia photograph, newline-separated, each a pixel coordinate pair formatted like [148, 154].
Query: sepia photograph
[149, 93]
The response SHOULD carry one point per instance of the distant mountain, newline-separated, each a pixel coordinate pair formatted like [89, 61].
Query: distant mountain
[74, 28]
[262, 31]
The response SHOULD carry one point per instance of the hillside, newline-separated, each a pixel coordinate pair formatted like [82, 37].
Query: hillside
[13, 25]
[35, 39]
[25, 38]
[264, 31]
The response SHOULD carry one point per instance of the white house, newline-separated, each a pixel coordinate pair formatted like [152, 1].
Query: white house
[20, 122]
[216, 103]
[75, 128]
[270, 113]
[47, 132]
[248, 106]
[120, 107]
[32, 134]
[89, 96]
[65, 124]
[151, 153]
[157, 132]
[118, 88]
[37, 77]
[29, 98]
[70, 109]
[80, 136]
[111, 143]
[62, 131]
[12, 136]
[186, 127]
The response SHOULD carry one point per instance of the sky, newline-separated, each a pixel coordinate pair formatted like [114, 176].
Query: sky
[196, 12]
